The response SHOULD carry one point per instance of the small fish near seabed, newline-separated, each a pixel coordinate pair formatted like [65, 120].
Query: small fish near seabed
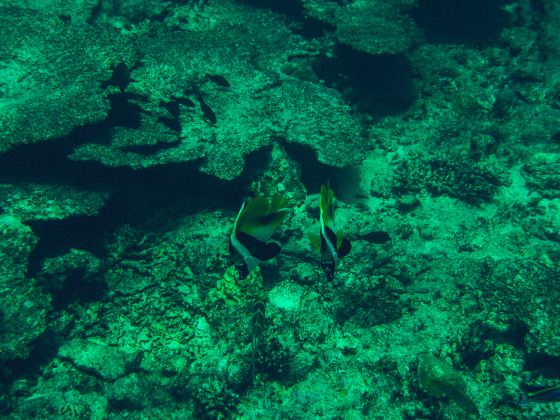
[544, 395]
[250, 240]
[329, 242]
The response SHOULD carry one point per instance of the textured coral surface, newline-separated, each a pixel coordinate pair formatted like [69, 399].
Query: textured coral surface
[131, 132]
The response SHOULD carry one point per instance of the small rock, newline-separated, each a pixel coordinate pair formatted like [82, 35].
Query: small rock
[108, 363]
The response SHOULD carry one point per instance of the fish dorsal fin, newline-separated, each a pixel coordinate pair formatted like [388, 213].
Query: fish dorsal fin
[279, 202]
[260, 218]
[327, 210]
[315, 239]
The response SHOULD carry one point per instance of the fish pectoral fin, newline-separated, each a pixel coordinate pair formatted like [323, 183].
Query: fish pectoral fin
[270, 250]
[345, 248]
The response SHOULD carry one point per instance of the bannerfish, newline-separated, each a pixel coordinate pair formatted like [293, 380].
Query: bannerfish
[329, 242]
[250, 240]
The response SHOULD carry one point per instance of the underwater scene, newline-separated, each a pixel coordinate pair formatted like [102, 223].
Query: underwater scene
[280, 209]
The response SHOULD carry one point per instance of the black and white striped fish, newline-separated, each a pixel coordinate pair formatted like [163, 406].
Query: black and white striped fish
[330, 242]
[250, 240]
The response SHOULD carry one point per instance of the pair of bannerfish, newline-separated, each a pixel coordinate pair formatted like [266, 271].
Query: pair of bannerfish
[250, 240]
[258, 219]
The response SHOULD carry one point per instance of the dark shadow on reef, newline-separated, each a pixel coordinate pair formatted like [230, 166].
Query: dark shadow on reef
[546, 365]
[378, 85]
[314, 173]
[461, 21]
[153, 199]
[43, 350]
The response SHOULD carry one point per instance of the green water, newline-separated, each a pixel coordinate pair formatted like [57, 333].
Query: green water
[298, 209]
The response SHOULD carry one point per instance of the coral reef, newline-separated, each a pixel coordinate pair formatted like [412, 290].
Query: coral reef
[25, 308]
[42, 99]
[132, 132]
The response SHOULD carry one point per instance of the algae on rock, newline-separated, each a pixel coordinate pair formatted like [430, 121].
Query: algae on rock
[439, 380]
